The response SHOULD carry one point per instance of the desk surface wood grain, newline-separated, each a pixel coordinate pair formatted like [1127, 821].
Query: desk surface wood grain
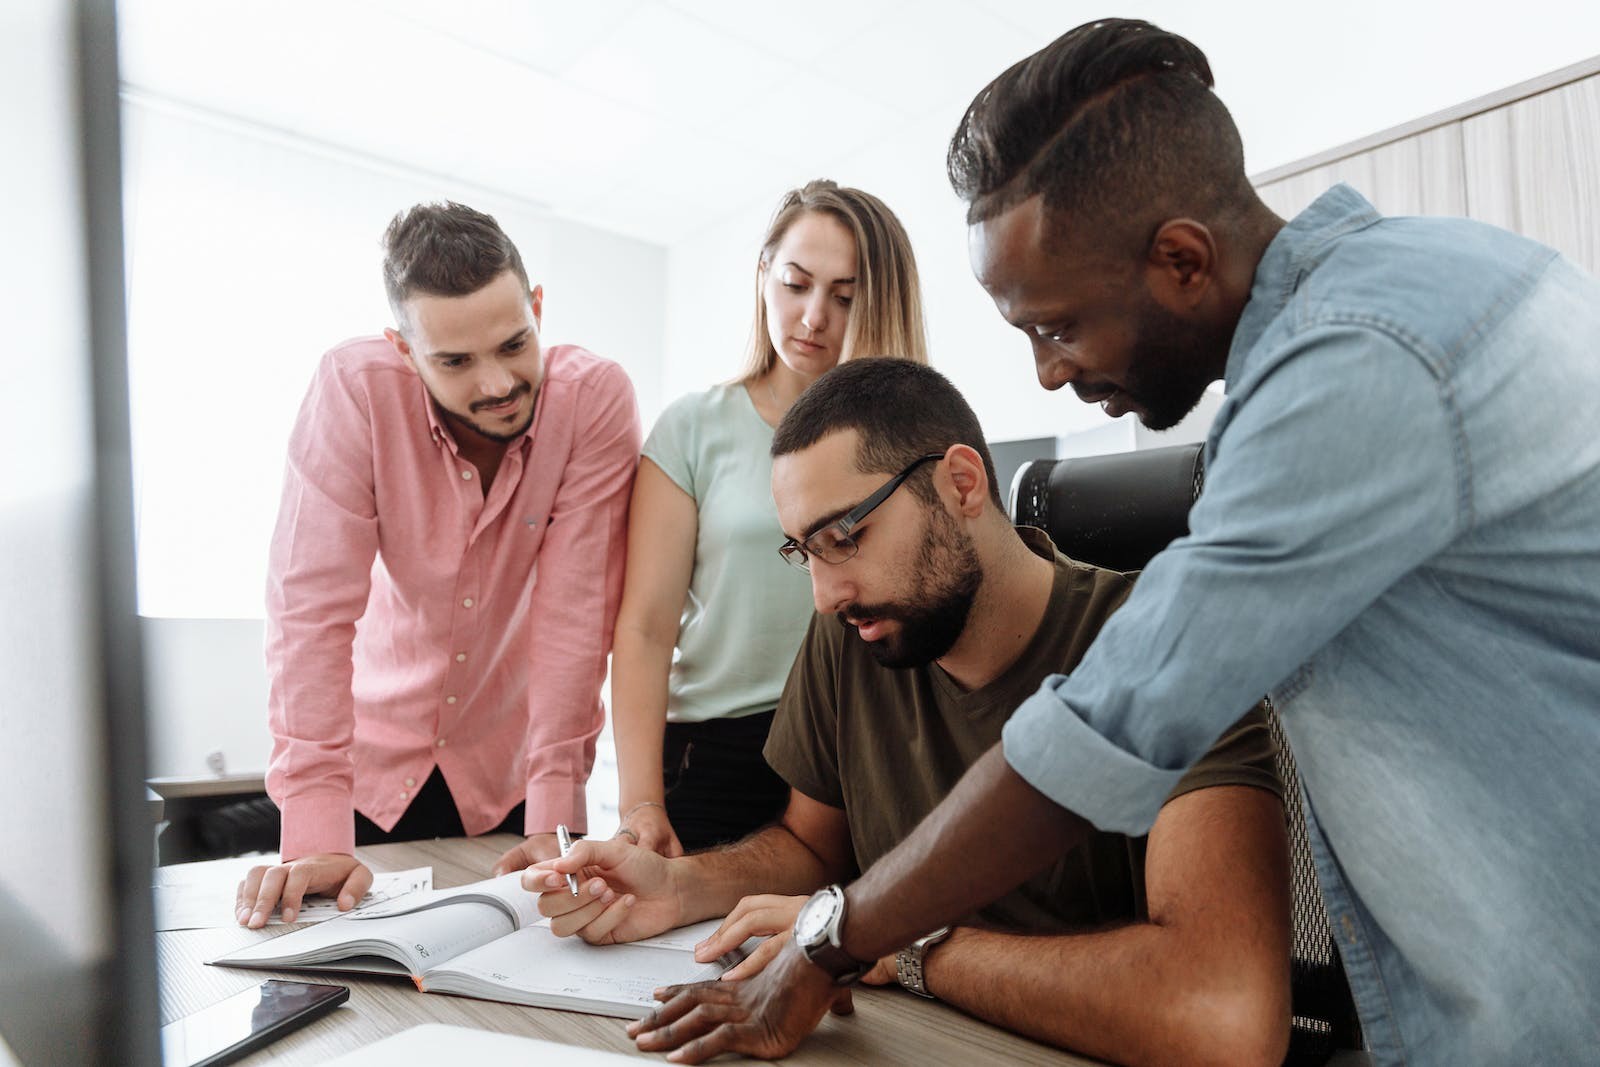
[890, 1027]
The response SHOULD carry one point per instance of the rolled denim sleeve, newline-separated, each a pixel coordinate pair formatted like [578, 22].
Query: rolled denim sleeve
[1335, 468]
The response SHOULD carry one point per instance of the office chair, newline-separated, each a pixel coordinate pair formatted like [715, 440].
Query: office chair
[1117, 512]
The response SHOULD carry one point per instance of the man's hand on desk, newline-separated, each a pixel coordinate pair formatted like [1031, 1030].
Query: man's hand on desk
[772, 917]
[766, 1016]
[624, 892]
[284, 886]
[537, 847]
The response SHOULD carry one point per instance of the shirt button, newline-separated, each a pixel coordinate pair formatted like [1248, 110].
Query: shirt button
[467, 602]
[404, 795]
[466, 476]
[449, 700]
[441, 742]
[461, 657]
[410, 782]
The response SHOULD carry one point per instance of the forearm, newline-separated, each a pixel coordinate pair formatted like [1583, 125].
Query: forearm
[1131, 994]
[639, 669]
[993, 832]
[773, 860]
[311, 716]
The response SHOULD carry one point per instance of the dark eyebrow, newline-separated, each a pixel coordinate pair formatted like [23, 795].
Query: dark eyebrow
[828, 519]
[513, 339]
[837, 281]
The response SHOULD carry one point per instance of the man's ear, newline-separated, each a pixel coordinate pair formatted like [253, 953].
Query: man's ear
[401, 347]
[970, 479]
[536, 301]
[1181, 264]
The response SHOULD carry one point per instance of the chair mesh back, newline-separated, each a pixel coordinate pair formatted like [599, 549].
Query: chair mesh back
[1324, 1017]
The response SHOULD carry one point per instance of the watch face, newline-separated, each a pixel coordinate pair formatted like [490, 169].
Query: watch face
[811, 925]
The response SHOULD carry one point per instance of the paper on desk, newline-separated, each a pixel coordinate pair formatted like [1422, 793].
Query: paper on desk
[201, 896]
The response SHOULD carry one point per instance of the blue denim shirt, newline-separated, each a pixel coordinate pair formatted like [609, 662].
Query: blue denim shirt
[1399, 540]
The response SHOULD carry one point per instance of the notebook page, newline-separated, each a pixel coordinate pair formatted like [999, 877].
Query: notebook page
[567, 972]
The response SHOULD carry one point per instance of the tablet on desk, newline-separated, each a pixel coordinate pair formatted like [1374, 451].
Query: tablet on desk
[434, 1043]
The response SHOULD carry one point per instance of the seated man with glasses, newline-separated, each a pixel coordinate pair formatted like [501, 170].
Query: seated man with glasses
[935, 619]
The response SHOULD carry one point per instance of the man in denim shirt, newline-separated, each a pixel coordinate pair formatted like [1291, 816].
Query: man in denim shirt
[1399, 540]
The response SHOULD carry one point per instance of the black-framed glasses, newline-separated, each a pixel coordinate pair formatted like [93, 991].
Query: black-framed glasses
[833, 543]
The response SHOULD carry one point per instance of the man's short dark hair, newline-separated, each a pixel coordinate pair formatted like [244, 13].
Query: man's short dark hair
[1115, 125]
[899, 409]
[444, 250]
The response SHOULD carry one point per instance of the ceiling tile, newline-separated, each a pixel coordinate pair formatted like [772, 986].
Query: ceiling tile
[544, 36]
[680, 69]
[934, 64]
[801, 34]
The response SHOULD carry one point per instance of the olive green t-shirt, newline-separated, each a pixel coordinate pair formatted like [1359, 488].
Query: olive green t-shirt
[888, 745]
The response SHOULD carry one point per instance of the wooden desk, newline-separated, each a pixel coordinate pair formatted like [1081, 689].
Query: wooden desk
[889, 1027]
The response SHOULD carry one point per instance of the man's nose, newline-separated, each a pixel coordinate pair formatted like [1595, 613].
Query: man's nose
[1054, 369]
[830, 591]
[496, 380]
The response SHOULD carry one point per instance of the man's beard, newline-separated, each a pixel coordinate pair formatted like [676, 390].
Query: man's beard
[1173, 363]
[477, 427]
[932, 620]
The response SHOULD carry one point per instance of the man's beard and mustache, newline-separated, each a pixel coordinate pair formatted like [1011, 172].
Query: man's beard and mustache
[1173, 363]
[479, 405]
[933, 618]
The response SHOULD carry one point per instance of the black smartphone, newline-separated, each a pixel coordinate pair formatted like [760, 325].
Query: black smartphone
[244, 1022]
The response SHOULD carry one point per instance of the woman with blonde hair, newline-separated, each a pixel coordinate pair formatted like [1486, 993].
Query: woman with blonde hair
[711, 617]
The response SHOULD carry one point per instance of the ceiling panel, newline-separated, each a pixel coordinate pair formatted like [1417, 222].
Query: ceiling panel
[544, 36]
[680, 69]
[801, 34]
[911, 69]
[661, 111]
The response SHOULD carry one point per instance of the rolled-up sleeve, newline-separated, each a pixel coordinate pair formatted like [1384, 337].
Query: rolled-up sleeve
[1338, 468]
[575, 599]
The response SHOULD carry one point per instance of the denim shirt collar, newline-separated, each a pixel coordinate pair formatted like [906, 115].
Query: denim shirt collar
[1291, 255]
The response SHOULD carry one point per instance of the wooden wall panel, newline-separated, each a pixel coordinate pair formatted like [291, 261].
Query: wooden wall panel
[1533, 166]
[1419, 175]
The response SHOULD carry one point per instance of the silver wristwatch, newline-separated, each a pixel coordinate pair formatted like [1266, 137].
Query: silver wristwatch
[908, 964]
[816, 932]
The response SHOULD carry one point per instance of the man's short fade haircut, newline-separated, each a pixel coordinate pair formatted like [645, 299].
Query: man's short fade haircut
[1115, 125]
[899, 409]
[445, 249]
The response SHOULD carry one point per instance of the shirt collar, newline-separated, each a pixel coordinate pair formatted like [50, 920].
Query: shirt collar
[1296, 250]
[436, 428]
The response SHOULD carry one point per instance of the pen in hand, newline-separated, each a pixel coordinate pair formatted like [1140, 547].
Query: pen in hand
[564, 839]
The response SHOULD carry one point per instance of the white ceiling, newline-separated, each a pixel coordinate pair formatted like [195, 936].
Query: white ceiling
[654, 118]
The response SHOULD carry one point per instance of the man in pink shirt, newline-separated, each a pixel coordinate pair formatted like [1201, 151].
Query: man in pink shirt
[445, 571]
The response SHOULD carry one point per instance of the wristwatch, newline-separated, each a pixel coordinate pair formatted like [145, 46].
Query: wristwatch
[816, 931]
[908, 964]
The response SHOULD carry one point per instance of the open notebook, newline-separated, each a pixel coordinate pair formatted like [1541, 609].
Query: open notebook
[487, 940]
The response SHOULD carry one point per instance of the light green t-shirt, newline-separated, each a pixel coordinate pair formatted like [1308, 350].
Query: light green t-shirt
[747, 610]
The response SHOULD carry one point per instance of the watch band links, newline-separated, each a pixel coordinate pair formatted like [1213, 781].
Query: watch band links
[908, 963]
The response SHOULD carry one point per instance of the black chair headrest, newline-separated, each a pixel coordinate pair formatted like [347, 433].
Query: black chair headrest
[1113, 511]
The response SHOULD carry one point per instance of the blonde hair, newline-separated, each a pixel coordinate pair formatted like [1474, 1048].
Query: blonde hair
[886, 311]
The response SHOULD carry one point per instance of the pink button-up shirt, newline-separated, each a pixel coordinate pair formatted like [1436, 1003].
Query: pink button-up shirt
[411, 621]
